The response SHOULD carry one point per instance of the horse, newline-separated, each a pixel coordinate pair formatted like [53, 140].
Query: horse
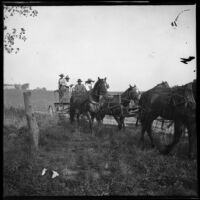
[163, 84]
[118, 109]
[89, 102]
[177, 104]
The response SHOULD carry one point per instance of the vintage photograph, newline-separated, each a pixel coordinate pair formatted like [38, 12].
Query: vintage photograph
[99, 100]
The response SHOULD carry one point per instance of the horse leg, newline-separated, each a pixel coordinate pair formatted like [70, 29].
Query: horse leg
[99, 119]
[176, 137]
[149, 131]
[141, 141]
[72, 113]
[90, 121]
[192, 141]
[92, 116]
[162, 124]
[118, 122]
[136, 124]
[78, 119]
[122, 121]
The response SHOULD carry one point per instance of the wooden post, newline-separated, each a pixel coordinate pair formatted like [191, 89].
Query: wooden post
[32, 123]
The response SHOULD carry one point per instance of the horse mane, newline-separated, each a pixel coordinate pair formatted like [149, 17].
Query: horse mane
[163, 83]
[127, 90]
[96, 84]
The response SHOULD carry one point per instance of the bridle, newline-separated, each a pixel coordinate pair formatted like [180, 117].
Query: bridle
[96, 93]
[130, 97]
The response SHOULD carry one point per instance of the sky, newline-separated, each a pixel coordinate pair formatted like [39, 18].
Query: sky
[126, 44]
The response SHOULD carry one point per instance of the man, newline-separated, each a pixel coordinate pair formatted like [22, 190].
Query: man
[67, 90]
[67, 82]
[61, 81]
[79, 88]
[89, 84]
[61, 86]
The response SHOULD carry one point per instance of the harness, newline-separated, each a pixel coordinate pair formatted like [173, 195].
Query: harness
[188, 97]
[119, 105]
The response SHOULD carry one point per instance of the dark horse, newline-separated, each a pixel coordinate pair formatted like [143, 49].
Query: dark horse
[89, 102]
[118, 109]
[177, 104]
[163, 84]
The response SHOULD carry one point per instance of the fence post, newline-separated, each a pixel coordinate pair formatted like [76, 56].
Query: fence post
[32, 123]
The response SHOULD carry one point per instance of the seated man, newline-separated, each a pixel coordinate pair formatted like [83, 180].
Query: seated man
[89, 84]
[79, 88]
[79, 92]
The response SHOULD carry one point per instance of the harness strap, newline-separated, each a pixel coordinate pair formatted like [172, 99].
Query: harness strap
[189, 94]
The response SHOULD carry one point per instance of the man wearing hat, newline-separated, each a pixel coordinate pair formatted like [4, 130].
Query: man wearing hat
[79, 88]
[61, 81]
[61, 86]
[68, 87]
[89, 84]
[67, 82]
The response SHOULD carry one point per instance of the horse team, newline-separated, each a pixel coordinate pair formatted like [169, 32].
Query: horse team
[176, 103]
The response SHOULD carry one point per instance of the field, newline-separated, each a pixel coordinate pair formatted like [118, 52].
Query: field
[108, 163]
[40, 99]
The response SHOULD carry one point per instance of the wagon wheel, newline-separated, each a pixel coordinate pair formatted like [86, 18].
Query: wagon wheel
[51, 111]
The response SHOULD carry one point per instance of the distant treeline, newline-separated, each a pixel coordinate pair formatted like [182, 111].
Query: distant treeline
[24, 86]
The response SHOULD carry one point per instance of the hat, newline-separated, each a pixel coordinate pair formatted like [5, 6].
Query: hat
[67, 77]
[61, 75]
[89, 80]
[79, 80]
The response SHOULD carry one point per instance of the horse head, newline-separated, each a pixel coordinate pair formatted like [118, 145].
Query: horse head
[132, 93]
[100, 87]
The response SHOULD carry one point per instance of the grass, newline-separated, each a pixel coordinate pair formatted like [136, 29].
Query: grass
[109, 163]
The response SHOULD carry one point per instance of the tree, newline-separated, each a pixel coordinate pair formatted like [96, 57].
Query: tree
[25, 86]
[11, 33]
[44, 89]
[17, 86]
